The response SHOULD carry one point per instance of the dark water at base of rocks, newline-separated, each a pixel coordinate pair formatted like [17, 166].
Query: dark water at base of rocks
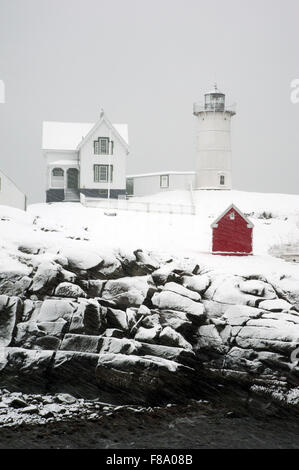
[179, 427]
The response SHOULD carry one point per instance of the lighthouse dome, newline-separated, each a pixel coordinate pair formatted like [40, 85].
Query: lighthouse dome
[214, 100]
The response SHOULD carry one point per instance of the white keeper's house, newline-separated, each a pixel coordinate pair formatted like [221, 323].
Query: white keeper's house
[90, 158]
[86, 158]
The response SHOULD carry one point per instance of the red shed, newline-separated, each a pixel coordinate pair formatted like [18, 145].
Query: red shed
[232, 233]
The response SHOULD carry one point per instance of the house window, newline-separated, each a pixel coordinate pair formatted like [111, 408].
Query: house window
[232, 216]
[164, 181]
[222, 180]
[57, 180]
[130, 186]
[101, 173]
[58, 172]
[101, 146]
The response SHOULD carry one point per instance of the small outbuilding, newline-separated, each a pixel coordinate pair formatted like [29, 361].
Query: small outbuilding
[10, 194]
[232, 233]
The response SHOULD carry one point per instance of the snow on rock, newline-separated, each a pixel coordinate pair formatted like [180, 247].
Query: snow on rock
[45, 276]
[67, 276]
[209, 339]
[160, 276]
[28, 334]
[150, 321]
[268, 334]
[114, 333]
[144, 310]
[81, 257]
[226, 290]
[180, 355]
[198, 283]
[52, 310]
[239, 315]
[177, 320]
[277, 305]
[148, 335]
[119, 346]
[181, 290]
[66, 289]
[170, 337]
[80, 343]
[126, 292]
[258, 288]
[290, 286]
[94, 287]
[89, 317]
[110, 268]
[139, 263]
[117, 319]
[32, 247]
[167, 300]
[14, 284]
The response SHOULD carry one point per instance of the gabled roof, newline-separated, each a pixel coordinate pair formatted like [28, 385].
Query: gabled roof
[232, 206]
[119, 130]
[8, 177]
[71, 135]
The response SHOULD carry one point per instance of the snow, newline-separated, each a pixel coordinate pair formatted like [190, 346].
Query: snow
[64, 162]
[64, 135]
[167, 300]
[181, 290]
[68, 135]
[86, 233]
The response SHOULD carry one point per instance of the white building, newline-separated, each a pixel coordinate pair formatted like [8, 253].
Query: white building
[87, 158]
[152, 183]
[10, 194]
[213, 159]
[213, 154]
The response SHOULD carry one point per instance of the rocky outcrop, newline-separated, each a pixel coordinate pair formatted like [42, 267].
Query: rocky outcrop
[10, 313]
[145, 331]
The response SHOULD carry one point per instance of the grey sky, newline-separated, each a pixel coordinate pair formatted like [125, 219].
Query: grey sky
[145, 62]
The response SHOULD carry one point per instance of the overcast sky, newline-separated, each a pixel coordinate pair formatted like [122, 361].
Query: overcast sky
[145, 62]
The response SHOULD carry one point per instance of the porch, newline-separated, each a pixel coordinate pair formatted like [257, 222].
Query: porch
[63, 181]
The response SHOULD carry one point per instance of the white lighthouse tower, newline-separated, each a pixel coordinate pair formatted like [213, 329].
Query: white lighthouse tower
[213, 142]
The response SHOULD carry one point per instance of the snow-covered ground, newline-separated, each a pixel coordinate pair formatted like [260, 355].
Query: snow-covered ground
[88, 231]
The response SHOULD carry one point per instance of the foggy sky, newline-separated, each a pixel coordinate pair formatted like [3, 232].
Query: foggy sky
[145, 62]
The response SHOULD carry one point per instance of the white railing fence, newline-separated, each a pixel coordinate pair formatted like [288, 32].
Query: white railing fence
[130, 205]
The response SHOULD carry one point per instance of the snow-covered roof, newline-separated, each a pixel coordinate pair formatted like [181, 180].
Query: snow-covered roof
[64, 162]
[232, 206]
[68, 135]
[122, 129]
[143, 175]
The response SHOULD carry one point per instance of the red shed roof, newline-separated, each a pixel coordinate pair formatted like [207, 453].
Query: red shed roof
[232, 206]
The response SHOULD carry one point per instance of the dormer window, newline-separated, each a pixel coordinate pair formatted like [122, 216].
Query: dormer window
[102, 146]
[222, 180]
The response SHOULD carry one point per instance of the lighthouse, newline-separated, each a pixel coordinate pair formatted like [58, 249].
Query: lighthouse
[213, 142]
